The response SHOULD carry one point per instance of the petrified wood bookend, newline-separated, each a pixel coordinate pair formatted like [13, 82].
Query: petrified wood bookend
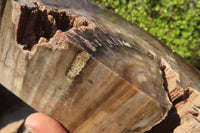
[88, 68]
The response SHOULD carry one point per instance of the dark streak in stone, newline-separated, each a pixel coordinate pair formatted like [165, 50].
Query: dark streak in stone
[184, 97]
[165, 83]
[2, 7]
[168, 124]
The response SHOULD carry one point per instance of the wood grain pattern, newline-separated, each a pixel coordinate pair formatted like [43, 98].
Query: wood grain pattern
[86, 67]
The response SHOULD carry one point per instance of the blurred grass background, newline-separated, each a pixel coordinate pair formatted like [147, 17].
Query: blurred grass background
[175, 22]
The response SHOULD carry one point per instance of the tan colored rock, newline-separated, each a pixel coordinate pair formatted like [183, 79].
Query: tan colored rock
[90, 69]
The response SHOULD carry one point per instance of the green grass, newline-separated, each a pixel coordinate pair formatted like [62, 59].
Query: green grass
[174, 22]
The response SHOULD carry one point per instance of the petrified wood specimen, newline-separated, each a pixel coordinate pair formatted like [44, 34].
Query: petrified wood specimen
[90, 69]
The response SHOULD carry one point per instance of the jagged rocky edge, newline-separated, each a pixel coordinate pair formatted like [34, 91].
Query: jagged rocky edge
[185, 103]
[37, 24]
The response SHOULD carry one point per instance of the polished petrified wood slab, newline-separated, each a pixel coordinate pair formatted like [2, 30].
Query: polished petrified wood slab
[88, 68]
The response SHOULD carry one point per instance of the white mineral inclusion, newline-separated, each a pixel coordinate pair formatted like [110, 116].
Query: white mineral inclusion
[18, 83]
[141, 78]
[78, 64]
[126, 44]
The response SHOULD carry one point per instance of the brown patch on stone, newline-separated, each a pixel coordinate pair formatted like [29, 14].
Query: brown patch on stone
[38, 24]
